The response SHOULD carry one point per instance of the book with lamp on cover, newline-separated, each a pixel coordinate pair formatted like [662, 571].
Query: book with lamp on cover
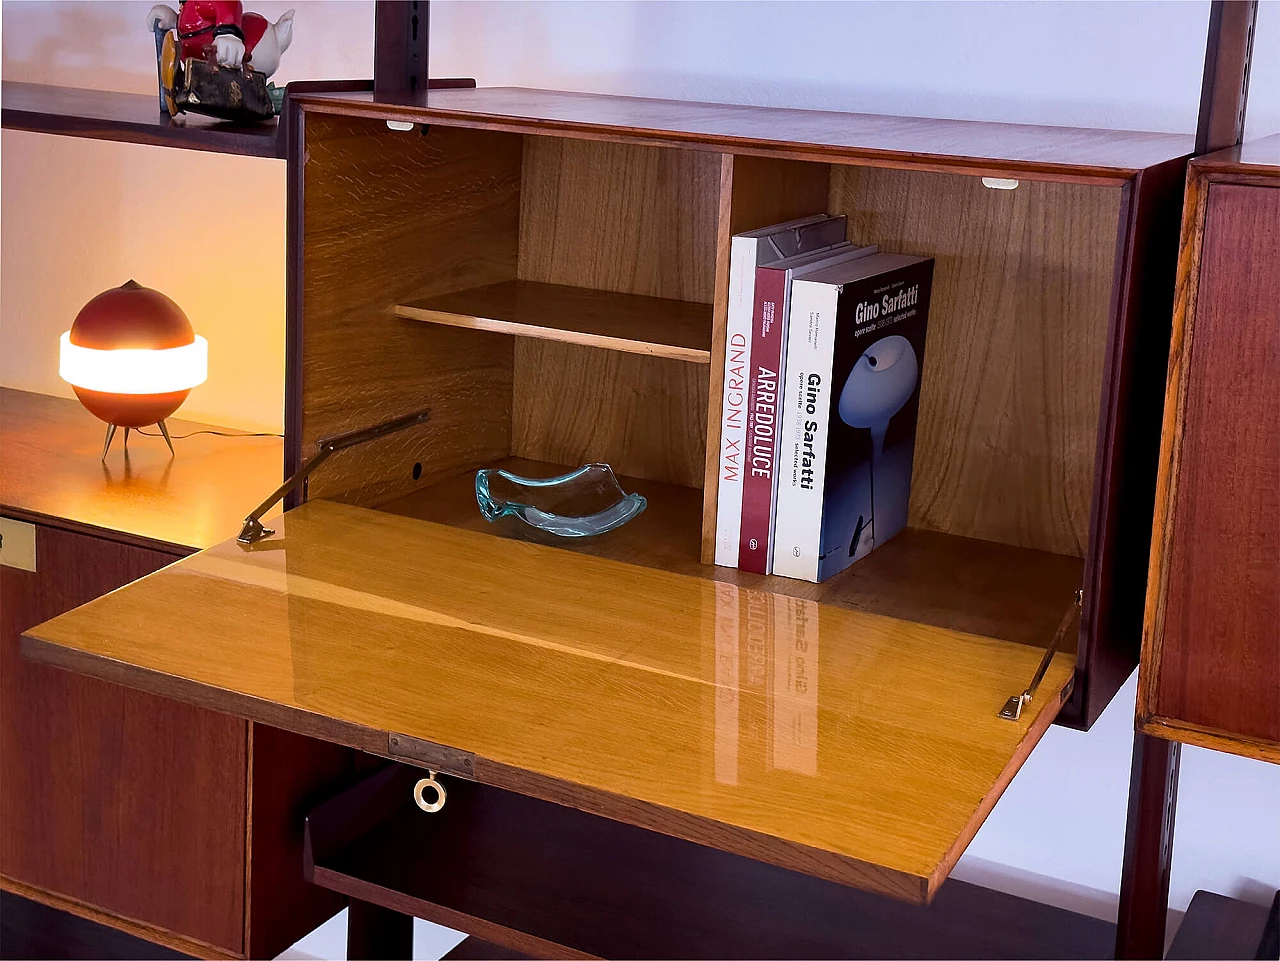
[850, 398]
[747, 251]
[768, 340]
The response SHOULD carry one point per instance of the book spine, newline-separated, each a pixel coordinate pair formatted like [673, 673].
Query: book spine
[754, 553]
[733, 408]
[805, 414]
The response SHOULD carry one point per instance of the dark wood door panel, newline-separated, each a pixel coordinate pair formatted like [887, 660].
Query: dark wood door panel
[1219, 661]
[127, 801]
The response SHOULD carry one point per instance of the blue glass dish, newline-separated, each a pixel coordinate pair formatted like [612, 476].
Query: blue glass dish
[582, 503]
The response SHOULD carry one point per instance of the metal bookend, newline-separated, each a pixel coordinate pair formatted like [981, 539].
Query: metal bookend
[253, 531]
[1012, 709]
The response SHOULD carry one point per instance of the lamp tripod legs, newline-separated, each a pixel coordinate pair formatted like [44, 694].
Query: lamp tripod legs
[106, 445]
[167, 439]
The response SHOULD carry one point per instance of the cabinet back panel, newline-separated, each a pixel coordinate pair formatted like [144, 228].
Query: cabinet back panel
[1017, 339]
[390, 217]
[631, 219]
[644, 416]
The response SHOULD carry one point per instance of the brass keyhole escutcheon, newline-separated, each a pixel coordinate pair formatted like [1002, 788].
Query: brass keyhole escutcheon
[429, 782]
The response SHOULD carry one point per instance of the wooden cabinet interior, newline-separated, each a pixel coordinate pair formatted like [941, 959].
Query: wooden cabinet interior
[460, 226]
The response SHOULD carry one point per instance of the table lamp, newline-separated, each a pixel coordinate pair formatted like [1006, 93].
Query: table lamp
[132, 358]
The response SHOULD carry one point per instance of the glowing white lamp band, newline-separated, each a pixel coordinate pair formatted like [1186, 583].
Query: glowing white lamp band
[134, 371]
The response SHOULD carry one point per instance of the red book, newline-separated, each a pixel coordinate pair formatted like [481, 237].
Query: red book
[755, 551]
[768, 337]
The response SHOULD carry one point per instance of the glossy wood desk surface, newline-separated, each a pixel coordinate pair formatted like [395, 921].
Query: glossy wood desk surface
[846, 745]
[51, 468]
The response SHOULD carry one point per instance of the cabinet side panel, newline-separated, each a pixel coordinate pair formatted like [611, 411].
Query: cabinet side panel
[129, 802]
[391, 217]
[1009, 403]
[1220, 638]
[291, 773]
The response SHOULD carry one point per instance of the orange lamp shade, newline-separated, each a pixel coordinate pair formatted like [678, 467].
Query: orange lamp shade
[132, 356]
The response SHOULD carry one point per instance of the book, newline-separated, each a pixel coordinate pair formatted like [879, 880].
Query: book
[768, 337]
[747, 251]
[851, 394]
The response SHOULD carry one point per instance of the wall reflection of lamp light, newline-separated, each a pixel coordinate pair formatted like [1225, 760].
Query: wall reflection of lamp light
[132, 358]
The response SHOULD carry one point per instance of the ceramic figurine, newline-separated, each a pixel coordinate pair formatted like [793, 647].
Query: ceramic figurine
[214, 59]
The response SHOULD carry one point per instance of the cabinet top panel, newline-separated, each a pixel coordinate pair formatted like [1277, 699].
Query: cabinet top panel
[51, 468]
[846, 745]
[1258, 157]
[1073, 153]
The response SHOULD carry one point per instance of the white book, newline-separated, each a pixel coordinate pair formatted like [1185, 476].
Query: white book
[747, 251]
[808, 390]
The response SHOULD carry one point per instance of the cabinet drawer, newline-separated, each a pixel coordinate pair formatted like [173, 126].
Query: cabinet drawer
[555, 882]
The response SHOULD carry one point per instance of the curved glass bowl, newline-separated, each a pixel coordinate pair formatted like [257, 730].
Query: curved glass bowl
[582, 503]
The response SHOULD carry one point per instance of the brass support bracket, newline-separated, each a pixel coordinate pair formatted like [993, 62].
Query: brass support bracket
[253, 531]
[1012, 709]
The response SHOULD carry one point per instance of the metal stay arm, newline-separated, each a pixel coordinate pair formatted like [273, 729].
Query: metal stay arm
[253, 531]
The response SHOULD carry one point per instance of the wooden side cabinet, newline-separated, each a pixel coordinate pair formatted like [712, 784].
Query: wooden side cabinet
[170, 821]
[1211, 650]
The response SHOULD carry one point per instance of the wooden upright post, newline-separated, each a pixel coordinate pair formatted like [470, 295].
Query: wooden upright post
[400, 50]
[1224, 91]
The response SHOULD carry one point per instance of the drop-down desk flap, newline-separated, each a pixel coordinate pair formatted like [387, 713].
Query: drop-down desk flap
[851, 746]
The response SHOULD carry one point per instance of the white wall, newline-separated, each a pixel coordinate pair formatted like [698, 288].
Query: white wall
[71, 208]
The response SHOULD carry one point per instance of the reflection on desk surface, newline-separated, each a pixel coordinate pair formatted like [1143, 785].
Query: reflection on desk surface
[869, 747]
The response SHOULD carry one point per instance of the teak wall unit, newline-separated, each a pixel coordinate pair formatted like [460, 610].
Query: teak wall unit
[1211, 656]
[547, 271]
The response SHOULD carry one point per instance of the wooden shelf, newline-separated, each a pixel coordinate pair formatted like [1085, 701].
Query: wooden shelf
[957, 583]
[128, 118]
[655, 326]
[552, 882]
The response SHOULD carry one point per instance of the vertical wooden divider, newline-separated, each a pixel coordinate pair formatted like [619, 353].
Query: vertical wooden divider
[754, 192]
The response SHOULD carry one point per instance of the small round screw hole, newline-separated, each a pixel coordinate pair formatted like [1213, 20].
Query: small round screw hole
[417, 471]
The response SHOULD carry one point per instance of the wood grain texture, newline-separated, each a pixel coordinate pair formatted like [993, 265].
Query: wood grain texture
[644, 416]
[1017, 336]
[547, 880]
[127, 117]
[652, 326]
[1068, 153]
[1213, 646]
[631, 219]
[102, 783]
[350, 615]
[435, 213]
[956, 583]
[754, 192]
[52, 471]
[1256, 158]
